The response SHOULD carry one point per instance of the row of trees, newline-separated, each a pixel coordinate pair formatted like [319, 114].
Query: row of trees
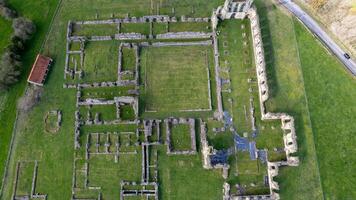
[10, 62]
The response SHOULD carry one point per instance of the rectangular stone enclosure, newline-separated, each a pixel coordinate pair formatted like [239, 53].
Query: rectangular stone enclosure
[176, 78]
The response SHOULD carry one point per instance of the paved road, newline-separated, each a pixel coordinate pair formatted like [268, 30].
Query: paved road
[320, 33]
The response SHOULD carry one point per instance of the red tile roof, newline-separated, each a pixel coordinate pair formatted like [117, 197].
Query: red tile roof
[39, 70]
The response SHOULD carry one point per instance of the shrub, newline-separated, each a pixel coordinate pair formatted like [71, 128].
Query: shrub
[7, 12]
[23, 28]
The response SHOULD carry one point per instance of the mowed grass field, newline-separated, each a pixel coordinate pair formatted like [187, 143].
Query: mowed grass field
[183, 177]
[331, 94]
[176, 78]
[8, 99]
[287, 94]
[101, 61]
[5, 34]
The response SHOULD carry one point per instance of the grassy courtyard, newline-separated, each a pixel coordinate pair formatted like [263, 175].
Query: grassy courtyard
[179, 81]
[100, 62]
[95, 30]
[182, 177]
[180, 137]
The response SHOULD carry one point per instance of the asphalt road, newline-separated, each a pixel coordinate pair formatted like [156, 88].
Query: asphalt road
[320, 33]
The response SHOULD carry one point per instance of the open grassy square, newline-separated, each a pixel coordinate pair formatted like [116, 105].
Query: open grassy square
[180, 137]
[176, 78]
[100, 62]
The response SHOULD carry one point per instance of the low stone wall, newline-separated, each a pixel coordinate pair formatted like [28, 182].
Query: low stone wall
[183, 35]
[219, 113]
[170, 122]
[288, 126]
[130, 36]
[167, 44]
[149, 18]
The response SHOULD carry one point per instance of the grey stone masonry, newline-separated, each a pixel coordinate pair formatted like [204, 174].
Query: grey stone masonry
[289, 137]
[144, 19]
[219, 113]
[170, 123]
[130, 36]
[233, 9]
[165, 44]
[183, 35]
[100, 38]
[143, 193]
[148, 126]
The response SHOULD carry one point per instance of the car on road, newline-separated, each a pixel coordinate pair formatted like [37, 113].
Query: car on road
[347, 56]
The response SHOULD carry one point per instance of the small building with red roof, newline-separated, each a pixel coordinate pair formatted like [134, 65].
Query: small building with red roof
[39, 70]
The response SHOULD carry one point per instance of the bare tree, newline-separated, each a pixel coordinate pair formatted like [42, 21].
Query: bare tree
[23, 28]
[9, 69]
[10, 61]
[7, 12]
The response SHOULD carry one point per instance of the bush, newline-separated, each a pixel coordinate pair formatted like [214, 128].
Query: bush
[10, 62]
[7, 12]
[9, 69]
[23, 28]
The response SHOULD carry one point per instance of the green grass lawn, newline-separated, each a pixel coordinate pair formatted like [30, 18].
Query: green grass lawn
[127, 113]
[178, 81]
[42, 18]
[238, 58]
[95, 29]
[287, 94]
[183, 177]
[159, 28]
[128, 59]
[105, 112]
[248, 173]
[143, 28]
[331, 95]
[196, 8]
[5, 34]
[190, 27]
[25, 178]
[107, 174]
[241, 70]
[222, 140]
[180, 137]
[51, 123]
[101, 61]
[107, 93]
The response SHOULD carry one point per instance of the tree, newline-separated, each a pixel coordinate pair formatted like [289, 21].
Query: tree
[10, 61]
[9, 69]
[23, 28]
[7, 12]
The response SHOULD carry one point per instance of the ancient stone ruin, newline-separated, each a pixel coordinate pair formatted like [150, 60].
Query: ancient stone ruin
[149, 130]
[170, 123]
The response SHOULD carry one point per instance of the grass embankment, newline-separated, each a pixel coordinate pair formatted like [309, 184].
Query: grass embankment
[331, 94]
[287, 94]
[42, 17]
